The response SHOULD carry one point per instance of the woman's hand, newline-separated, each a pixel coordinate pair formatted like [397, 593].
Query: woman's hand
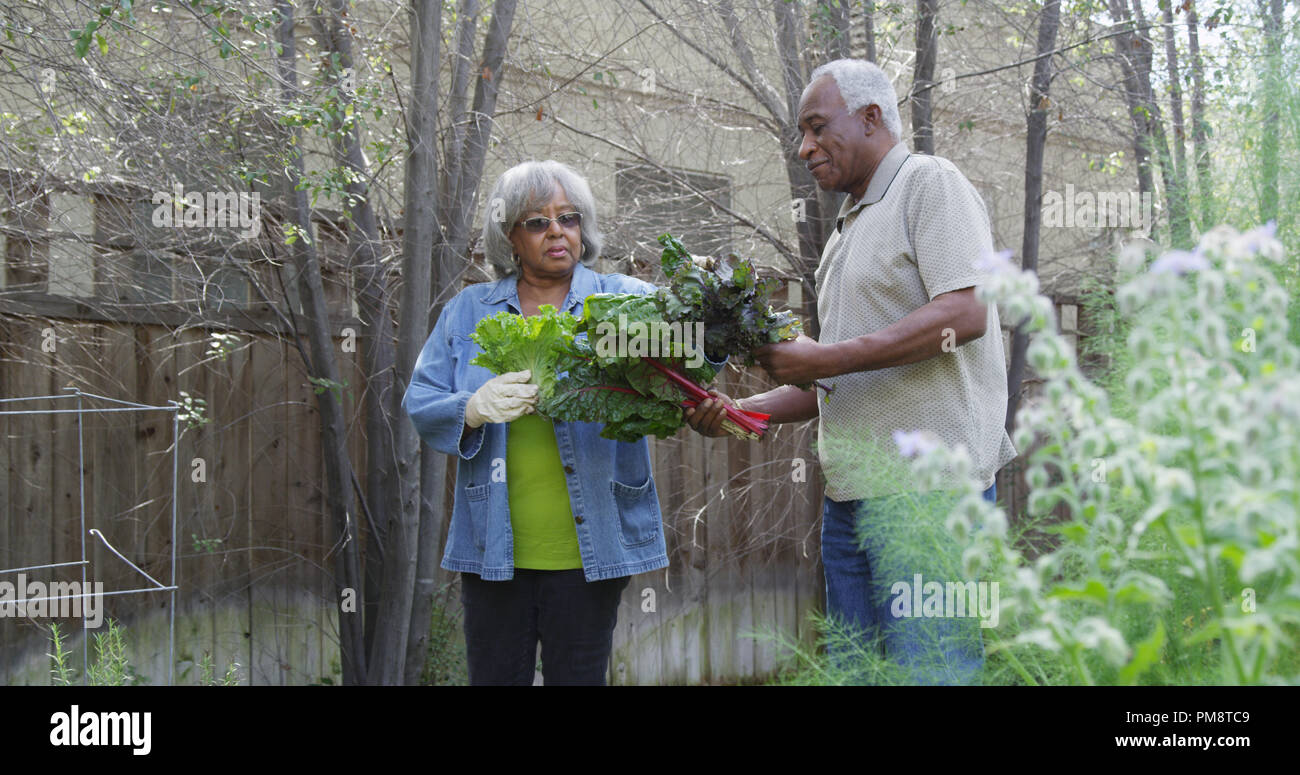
[502, 399]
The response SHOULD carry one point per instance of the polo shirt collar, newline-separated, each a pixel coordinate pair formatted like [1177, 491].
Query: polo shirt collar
[884, 175]
[581, 286]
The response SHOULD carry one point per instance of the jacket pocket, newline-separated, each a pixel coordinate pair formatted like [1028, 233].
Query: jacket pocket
[479, 512]
[638, 512]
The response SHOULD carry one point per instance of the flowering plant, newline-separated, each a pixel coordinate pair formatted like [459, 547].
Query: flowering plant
[1179, 559]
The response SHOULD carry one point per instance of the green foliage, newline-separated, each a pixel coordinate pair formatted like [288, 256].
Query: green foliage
[221, 345]
[61, 674]
[1180, 559]
[91, 32]
[444, 661]
[111, 667]
[608, 380]
[206, 545]
[630, 397]
[321, 384]
[193, 411]
[536, 343]
[207, 677]
[728, 296]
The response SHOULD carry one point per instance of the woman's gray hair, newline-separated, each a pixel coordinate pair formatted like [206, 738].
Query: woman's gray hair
[862, 83]
[526, 187]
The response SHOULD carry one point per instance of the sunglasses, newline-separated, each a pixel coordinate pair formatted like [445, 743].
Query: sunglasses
[541, 223]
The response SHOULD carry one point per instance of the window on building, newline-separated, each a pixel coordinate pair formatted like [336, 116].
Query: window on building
[654, 200]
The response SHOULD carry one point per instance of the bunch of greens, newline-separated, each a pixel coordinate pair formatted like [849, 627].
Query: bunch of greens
[637, 388]
[728, 296]
[538, 343]
[634, 396]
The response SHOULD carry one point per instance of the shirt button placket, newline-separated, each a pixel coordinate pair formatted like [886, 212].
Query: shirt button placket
[565, 454]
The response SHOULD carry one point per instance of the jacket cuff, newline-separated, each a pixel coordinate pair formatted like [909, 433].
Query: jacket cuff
[472, 442]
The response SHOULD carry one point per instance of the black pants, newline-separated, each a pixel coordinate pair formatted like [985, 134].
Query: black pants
[572, 617]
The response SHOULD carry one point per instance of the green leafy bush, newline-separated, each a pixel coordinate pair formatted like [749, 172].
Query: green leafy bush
[111, 667]
[1180, 560]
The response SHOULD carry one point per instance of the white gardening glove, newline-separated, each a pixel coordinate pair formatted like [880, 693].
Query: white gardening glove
[503, 398]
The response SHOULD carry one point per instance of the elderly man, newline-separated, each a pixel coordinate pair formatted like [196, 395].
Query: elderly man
[903, 344]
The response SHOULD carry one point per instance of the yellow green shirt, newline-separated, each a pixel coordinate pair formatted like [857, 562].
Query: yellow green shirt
[540, 516]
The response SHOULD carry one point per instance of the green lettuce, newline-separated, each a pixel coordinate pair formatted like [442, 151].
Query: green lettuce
[539, 343]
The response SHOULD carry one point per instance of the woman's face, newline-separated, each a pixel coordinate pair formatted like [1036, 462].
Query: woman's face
[554, 251]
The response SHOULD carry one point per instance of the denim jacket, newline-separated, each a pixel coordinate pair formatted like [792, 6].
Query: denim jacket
[611, 491]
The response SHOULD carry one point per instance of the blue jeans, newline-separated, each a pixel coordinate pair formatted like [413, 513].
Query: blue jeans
[867, 547]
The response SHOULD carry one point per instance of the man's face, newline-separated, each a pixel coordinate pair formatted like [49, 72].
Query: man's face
[836, 145]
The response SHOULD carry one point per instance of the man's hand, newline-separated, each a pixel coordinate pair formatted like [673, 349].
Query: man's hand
[706, 418]
[797, 362]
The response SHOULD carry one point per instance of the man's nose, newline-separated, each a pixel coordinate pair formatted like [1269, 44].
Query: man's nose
[806, 147]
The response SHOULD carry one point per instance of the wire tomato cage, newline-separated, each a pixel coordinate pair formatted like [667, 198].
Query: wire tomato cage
[155, 585]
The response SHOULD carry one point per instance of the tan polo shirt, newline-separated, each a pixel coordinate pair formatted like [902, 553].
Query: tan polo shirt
[915, 234]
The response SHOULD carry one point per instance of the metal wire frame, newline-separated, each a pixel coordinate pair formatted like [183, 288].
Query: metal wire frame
[124, 406]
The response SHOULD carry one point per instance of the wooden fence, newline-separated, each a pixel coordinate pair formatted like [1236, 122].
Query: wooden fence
[253, 540]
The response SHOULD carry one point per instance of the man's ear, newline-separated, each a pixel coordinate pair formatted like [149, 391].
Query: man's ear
[871, 118]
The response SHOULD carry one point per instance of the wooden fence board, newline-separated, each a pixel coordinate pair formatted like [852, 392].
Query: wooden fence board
[233, 412]
[30, 475]
[306, 512]
[266, 512]
[199, 531]
[8, 522]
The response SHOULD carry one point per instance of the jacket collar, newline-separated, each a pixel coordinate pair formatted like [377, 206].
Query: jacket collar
[583, 283]
[884, 175]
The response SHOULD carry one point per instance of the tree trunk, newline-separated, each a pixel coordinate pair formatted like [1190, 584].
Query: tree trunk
[1048, 24]
[927, 51]
[1269, 194]
[869, 23]
[1127, 46]
[338, 465]
[1155, 128]
[838, 35]
[387, 650]
[1178, 210]
[417, 270]
[1200, 129]
[376, 339]
[460, 178]
[820, 207]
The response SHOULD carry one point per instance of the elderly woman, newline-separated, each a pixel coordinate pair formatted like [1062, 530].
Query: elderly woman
[550, 519]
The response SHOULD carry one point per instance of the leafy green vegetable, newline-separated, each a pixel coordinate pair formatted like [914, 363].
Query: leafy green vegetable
[582, 379]
[728, 296]
[538, 343]
[627, 394]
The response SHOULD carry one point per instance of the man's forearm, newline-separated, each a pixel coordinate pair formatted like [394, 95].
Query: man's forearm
[785, 404]
[929, 331]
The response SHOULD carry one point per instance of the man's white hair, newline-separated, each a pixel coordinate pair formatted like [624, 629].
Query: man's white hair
[862, 83]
